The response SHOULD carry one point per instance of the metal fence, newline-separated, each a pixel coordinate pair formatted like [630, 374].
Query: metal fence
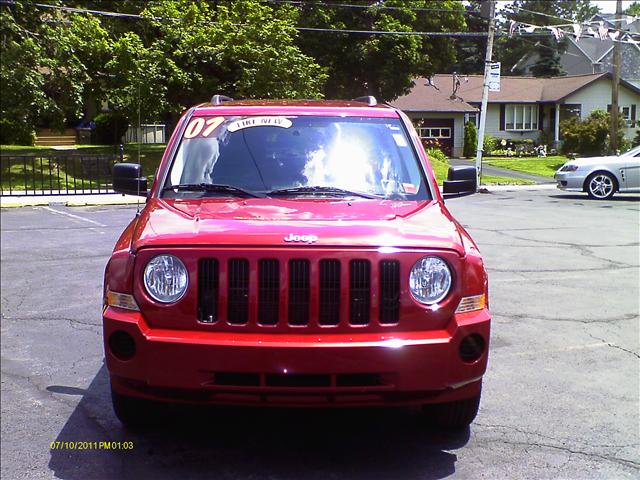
[56, 174]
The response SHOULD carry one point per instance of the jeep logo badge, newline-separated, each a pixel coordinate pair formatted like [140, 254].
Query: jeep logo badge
[300, 238]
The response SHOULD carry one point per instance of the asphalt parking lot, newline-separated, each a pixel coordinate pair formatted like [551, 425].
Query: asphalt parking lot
[560, 399]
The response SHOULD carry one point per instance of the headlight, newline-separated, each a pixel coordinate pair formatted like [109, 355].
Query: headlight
[430, 280]
[166, 278]
[569, 168]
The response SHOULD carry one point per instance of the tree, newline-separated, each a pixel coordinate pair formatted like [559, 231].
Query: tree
[633, 9]
[541, 13]
[589, 136]
[470, 140]
[57, 66]
[242, 48]
[470, 51]
[379, 65]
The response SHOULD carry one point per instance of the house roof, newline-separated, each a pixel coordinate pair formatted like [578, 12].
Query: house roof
[512, 90]
[427, 98]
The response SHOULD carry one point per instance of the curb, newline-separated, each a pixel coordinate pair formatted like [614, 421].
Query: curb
[69, 200]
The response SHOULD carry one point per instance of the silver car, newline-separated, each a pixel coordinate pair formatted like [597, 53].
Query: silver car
[601, 177]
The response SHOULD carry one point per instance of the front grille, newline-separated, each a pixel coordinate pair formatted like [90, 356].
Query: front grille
[299, 292]
[296, 292]
[238, 296]
[360, 292]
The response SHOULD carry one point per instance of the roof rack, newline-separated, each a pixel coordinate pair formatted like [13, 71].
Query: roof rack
[218, 99]
[368, 99]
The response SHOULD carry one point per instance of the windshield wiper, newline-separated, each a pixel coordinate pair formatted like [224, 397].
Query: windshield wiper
[213, 187]
[320, 190]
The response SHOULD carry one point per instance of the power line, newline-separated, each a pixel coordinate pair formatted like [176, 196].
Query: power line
[371, 6]
[302, 29]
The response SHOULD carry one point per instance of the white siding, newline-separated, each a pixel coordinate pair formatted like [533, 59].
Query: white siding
[492, 127]
[598, 95]
[458, 127]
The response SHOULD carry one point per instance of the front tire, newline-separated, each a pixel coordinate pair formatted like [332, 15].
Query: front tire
[453, 415]
[601, 186]
[131, 411]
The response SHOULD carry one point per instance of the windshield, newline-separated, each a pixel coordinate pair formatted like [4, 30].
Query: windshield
[296, 156]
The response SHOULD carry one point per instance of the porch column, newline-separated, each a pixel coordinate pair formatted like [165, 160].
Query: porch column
[556, 129]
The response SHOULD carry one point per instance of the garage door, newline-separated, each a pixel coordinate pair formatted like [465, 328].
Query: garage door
[437, 130]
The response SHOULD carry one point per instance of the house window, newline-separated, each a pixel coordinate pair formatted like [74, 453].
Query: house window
[471, 118]
[521, 117]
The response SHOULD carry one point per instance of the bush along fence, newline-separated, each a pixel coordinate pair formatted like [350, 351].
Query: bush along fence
[61, 173]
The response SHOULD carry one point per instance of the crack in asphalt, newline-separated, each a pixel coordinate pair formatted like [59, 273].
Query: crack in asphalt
[613, 345]
[562, 447]
[521, 316]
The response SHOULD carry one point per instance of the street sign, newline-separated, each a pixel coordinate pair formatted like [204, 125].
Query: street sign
[494, 77]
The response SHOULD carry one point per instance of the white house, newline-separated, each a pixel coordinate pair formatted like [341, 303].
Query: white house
[525, 107]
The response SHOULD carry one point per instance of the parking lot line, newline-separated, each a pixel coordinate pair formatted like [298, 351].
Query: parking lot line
[71, 215]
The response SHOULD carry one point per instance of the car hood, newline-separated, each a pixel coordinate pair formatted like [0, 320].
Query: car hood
[589, 161]
[267, 221]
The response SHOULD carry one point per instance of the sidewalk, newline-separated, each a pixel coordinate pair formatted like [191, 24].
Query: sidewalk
[118, 199]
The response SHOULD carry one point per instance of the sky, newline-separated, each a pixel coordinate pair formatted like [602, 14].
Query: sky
[609, 6]
[606, 6]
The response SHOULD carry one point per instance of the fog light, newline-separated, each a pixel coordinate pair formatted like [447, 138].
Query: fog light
[472, 348]
[122, 345]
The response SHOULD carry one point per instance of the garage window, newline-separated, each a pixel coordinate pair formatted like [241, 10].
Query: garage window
[434, 132]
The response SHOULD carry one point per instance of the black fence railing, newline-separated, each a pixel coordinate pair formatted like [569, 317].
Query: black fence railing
[56, 174]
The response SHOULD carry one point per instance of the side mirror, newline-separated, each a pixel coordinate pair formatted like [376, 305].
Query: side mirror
[460, 180]
[128, 179]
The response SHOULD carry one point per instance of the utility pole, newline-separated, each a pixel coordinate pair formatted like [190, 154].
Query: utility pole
[613, 133]
[491, 5]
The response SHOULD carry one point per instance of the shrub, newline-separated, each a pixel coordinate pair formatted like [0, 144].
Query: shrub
[14, 132]
[435, 154]
[110, 128]
[489, 145]
[636, 141]
[589, 136]
[470, 140]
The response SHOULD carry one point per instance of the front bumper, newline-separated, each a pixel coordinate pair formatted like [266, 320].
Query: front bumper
[570, 181]
[296, 369]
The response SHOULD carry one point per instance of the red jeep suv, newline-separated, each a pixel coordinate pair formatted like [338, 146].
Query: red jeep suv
[296, 253]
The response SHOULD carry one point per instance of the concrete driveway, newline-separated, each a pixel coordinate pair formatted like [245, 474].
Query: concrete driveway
[560, 400]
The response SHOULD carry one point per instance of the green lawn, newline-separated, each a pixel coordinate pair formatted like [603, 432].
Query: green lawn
[441, 169]
[542, 166]
[60, 174]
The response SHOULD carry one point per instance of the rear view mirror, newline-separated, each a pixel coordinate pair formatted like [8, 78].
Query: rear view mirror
[460, 180]
[128, 179]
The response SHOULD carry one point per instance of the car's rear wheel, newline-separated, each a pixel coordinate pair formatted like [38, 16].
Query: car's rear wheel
[453, 415]
[131, 411]
[601, 185]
